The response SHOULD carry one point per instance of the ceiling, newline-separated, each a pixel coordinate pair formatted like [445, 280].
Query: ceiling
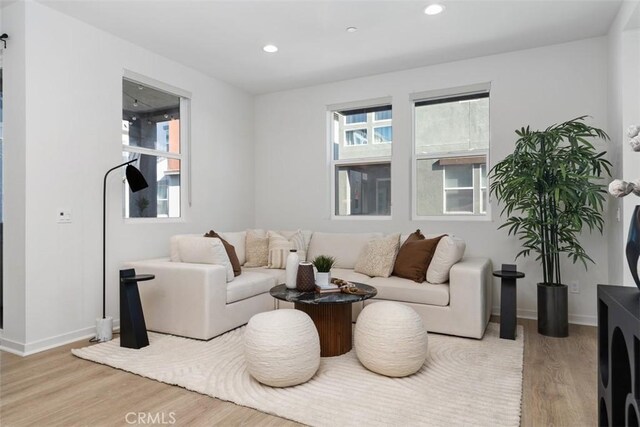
[224, 39]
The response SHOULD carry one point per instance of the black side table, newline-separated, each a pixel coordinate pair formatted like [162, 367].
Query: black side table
[508, 303]
[133, 330]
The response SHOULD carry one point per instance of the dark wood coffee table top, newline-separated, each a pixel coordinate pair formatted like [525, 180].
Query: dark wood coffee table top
[281, 292]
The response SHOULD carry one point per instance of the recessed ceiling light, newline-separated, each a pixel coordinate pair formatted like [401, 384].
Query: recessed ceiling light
[270, 48]
[351, 29]
[434, 9]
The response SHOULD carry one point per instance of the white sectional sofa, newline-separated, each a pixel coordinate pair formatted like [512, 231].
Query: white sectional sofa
[195, 300]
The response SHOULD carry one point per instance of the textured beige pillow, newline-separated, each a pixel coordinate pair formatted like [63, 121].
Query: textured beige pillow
[257, 249]
[449, 251]
[378, 256]
[279, 247]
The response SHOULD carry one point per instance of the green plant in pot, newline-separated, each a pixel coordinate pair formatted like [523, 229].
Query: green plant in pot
[323, 263]
[550, 188]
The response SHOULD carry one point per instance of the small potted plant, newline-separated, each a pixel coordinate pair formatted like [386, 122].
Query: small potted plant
[323, 264]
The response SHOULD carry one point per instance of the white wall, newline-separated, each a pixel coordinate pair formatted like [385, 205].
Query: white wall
[73, 83]
[624, 93]
[535, 87]
[14, 95]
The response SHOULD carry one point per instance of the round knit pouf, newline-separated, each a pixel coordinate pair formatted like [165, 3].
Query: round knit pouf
[282, 347]
[390, 339]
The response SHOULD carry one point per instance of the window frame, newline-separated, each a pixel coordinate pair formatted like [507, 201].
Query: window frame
[333, 164]
[414, 98]
[184, 156]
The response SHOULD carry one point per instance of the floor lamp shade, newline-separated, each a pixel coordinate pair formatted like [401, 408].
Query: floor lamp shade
[135, 179]
[136, 183]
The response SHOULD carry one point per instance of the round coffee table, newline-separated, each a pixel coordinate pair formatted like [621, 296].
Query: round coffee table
[330, 312]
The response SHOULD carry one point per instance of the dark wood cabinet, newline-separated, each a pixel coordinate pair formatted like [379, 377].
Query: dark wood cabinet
[618, 356]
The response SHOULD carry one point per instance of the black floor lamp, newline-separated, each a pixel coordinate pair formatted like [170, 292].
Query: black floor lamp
[104, 325]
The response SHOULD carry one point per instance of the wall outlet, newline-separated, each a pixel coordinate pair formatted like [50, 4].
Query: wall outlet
[63, 216]
[574, 288]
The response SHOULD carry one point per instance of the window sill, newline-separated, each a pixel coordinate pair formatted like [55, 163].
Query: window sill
[361, 217]
[154, 220]
[444, 218]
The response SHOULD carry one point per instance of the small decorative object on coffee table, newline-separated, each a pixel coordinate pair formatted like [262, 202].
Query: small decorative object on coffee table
[330, 312]
[323, 264]
[292, 269]
[508, 302]
[305, 281]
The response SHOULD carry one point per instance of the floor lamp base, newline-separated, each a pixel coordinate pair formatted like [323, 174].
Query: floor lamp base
[104, 329]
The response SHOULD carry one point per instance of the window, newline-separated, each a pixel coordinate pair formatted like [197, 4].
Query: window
[451, 143]
[152, 133]
[361, 161]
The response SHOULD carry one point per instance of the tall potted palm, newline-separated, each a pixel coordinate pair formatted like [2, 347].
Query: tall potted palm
[550, 187]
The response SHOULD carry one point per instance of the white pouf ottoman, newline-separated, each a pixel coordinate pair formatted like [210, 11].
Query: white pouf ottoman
[282, 347]
[390, 339]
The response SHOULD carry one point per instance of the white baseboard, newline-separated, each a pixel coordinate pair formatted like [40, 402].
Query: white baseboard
[578, 319]
[12, 346]
[22, 349]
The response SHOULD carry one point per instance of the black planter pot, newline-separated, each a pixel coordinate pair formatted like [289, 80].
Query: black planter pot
[553, 310]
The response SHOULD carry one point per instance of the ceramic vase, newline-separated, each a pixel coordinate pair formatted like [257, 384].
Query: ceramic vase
[305, 281]
[291, 274]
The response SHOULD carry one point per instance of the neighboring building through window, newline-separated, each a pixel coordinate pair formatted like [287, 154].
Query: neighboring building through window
[151, 132]
[361, 143]
[451, 143]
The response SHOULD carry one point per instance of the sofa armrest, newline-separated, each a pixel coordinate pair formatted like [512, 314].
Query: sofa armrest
[181, 294]
[470, 289]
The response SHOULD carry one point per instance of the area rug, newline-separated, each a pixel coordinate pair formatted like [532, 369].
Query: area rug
[463, 382]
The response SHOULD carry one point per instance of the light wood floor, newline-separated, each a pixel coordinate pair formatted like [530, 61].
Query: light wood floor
[55, 388]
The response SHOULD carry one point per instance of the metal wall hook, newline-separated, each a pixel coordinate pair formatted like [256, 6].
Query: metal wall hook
[3, 39]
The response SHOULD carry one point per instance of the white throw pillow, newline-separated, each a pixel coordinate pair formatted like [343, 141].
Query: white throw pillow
[279, 247]
[173, 245]
[378, 257]
[306, 234]
[257, 249]
[205, 250]
[238, 240]
[449, 251]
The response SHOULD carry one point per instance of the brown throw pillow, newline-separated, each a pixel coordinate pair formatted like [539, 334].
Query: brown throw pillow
[231, 252]
[416, 235]
[414, 258]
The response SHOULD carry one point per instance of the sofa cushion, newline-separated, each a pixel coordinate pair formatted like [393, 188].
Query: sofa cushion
[279, 247]
[249, 284]
[344, 247]
[378, 256]
[449, 251]
[414, 258]
[231, 252]
[238, 239]
[174, 251]
[205, 250]
[257, 249]
[405, 290]
[306, 234]
[277, 274]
